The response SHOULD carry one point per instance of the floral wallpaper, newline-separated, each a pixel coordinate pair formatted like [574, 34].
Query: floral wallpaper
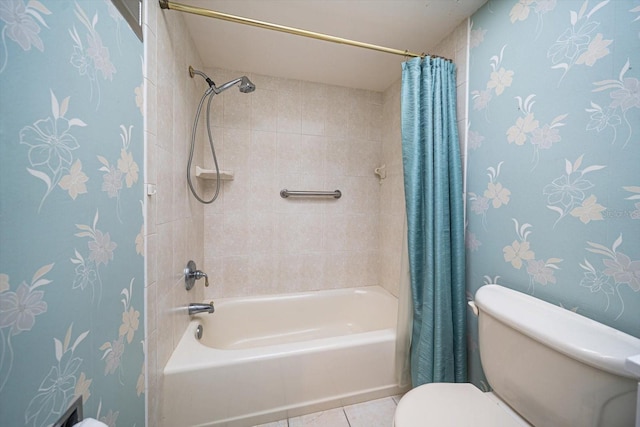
[71, 248]
[553, 190]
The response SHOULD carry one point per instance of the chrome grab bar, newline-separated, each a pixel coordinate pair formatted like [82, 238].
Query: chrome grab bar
[286, 193]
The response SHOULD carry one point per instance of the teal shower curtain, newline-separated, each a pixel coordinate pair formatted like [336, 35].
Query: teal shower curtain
[435, 221]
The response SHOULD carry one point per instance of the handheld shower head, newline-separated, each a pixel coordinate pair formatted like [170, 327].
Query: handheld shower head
[245, 86]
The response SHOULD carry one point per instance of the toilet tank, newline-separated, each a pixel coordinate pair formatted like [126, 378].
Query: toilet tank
[553, 366]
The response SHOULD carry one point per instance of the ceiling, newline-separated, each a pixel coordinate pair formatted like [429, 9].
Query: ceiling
[413, 25]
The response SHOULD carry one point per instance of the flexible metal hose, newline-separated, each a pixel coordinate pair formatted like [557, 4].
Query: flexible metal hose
[209, 93]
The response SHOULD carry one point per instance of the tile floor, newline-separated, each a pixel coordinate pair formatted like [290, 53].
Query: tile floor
[375, 413]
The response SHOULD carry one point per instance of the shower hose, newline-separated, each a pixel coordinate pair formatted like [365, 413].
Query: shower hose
[209, 93]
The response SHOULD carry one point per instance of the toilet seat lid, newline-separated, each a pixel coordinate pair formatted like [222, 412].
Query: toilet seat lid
[445, 404]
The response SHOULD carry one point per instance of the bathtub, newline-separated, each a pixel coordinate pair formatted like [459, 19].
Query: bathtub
[262, 359]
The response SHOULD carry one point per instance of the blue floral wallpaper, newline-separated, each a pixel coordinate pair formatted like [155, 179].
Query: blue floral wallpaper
[71, 248]
[553, 190]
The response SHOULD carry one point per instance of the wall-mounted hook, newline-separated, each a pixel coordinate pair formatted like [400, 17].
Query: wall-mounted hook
[191, 274]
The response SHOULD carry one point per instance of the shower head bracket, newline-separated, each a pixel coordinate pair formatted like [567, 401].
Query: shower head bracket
[191, 73]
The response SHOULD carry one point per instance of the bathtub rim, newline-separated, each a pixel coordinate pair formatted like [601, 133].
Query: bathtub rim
[291, 295]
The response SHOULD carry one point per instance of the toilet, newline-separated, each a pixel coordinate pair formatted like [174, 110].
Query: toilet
[547, 366]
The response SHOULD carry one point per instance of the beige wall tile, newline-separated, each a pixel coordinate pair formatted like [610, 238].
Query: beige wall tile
[236, 276]
[264, 116]
[262, 160]
[174, 224]
[289, 108]
[314, 112]
[237, 108]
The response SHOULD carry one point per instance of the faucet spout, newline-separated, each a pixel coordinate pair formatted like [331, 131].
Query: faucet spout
[195, 308]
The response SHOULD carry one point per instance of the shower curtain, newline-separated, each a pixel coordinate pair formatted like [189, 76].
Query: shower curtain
[435, 224]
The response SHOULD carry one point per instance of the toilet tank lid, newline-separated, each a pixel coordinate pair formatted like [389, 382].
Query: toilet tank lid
[567, 332]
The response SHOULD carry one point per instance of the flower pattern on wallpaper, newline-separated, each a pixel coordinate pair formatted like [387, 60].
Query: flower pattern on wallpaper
[583, 186]
[476, 36]
[496, 195]
[471, 241]
[75, 181]
[519, 251]
[625, 94]
[58, 388]
[522, 9]
[93, 57]
[18, 312]
[140, 241]
[567, 193]
[51, 145]
[579, 44]
[110, 419]
[499, 79]
[50, 142]
[21, 24]
[87, 268]
[618, 270]
[139, 92]
[113, 351]
[140, 384]
[474, 139]
[117, 19]
[528, 129]
[123, 172]
[635, 214]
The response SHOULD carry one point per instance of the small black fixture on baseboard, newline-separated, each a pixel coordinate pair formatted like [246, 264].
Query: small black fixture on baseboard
[72, 416]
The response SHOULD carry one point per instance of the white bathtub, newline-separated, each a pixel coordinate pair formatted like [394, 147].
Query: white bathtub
[263, 359]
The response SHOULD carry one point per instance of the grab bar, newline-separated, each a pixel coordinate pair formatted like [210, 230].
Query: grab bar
[286, 193]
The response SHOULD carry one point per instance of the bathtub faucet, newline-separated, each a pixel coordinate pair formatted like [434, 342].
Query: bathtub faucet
[191, 274]
[195, 308]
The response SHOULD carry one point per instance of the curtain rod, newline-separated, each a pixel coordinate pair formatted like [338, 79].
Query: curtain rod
[166, 4]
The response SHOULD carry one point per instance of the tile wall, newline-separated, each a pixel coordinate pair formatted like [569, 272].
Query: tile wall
[300, 136]
[174, 232]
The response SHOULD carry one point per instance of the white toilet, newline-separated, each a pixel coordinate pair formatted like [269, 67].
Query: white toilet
[547, 366]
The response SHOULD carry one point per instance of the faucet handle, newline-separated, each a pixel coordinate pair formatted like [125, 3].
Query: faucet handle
[200, 274]
[191, 274]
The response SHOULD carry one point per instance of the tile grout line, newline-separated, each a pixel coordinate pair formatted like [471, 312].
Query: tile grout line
[346, 416]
